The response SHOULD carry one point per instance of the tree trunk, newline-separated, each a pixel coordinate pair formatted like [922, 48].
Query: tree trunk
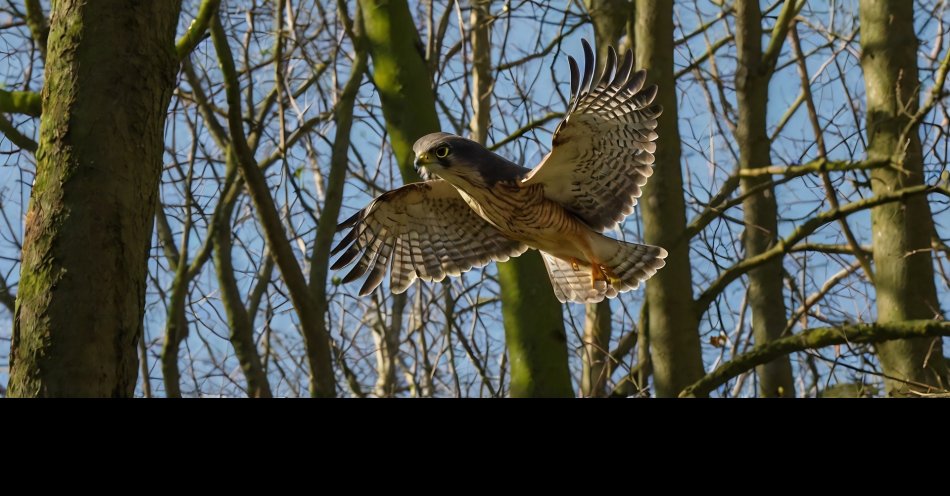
[610, 19]
[595, 366]
[402, 78]
[482, 80]
[676, 355]
[534, 330]
[760, 210]
[88, 230]
[405, 91]
[904, 276]
[534, 322]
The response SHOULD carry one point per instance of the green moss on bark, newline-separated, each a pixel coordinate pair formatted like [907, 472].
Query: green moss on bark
[88, 228]
[900, 232]
[880, 333]
[534, 330]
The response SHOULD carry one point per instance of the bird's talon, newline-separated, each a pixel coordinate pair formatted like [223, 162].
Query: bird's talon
[601, 273]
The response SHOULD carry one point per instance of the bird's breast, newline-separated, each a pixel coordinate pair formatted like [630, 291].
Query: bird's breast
[521, 213]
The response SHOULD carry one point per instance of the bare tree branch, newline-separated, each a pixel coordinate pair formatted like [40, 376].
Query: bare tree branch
[816, 338]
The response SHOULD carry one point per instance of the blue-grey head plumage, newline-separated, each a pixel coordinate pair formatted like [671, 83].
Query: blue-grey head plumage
[450, 156]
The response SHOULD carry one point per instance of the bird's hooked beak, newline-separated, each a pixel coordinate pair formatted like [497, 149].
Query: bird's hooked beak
[422, 160]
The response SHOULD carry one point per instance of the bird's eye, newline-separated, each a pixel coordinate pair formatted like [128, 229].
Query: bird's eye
[442, 152]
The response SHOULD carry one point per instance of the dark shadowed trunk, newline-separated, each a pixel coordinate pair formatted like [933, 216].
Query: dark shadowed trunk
[534, 322]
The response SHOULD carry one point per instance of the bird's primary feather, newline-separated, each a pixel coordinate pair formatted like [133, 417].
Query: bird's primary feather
[603, 149]
[421, 230]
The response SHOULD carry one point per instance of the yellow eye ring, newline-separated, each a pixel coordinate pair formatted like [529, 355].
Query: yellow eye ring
[442, 152]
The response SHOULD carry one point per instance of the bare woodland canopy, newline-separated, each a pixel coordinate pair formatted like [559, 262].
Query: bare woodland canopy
[173, 174]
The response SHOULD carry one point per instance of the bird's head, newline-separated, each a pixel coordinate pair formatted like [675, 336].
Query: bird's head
[450, 157]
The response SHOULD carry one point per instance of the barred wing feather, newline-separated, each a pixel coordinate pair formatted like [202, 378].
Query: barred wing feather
[422, 230]
[603, 149]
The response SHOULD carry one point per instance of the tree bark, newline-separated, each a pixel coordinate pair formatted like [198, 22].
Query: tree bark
[408, 102]
[595, 356]
[760, 210]
[534, 322]
[534, 330]
[818, 338]
[88, 229]
[482, 80]
[675, 351]
[401, 77]
[38, 24]
[611, 20]
[904, 275]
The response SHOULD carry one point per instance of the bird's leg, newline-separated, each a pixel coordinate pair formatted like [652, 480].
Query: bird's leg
[598, 273]
[602, 273]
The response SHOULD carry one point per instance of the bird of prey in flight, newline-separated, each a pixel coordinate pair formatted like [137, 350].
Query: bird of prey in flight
[481, 207]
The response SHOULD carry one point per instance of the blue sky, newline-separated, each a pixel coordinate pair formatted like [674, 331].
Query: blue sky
[526, 93]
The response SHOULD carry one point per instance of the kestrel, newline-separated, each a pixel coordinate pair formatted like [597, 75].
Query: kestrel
[483, 207]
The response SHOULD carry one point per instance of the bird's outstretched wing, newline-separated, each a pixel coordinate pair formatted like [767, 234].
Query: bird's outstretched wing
[603, 149]
[423, 230]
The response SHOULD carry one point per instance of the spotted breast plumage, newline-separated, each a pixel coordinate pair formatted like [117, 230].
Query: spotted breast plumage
[482, 207]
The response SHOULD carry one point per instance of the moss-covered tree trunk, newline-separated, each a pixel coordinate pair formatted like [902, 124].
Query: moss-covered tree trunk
[760, 210]
[904, 276]
[401, 77]
[675, 351]
[534, 321]
[534, 327]
[534, 330]
[405, 91]
[88, 229]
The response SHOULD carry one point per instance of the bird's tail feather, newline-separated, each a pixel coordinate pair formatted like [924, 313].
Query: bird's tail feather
[623, 267]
